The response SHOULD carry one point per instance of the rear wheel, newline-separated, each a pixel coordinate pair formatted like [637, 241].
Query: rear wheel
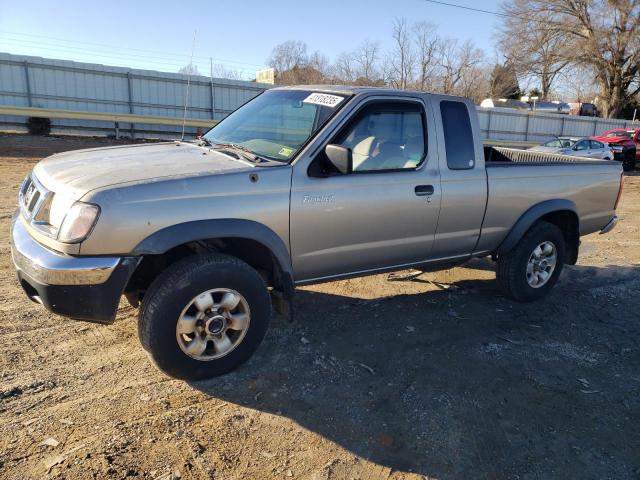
[629, 161]
[204, 316]
[533, 266]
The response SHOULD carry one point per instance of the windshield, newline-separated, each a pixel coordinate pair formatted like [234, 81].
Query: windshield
[619, 134]
[276, 124]
[560, 143]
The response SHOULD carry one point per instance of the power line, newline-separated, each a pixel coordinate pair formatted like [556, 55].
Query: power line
[125, 62]
[526, 18]
[473, 9]
[119, 58]
[113, 53]
[162, 53]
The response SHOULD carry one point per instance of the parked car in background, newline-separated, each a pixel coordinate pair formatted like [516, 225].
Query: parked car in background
[625, 144]
[527, 104]
[583, 109]
[576, 147]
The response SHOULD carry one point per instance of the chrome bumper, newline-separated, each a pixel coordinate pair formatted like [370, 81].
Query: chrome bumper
[51, 268]
[609, 226]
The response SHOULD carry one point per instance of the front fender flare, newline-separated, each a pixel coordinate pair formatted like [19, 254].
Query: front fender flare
[163, 240]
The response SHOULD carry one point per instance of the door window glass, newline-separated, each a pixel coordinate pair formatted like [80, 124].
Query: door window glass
[386, 136]
[582, 145]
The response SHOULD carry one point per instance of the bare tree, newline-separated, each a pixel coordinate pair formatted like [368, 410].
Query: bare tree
[427, 46]
[319, 62]
[576, 82]
[288, 55]
[366, 58]
[457, 62]
[401, 60]
[220, 71]
[189, 69]
[475, 83]
[345, 68]
[601, 34]
[531, 47]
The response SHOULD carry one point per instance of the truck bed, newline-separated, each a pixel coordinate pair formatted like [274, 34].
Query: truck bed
[501, 156]
[528, 178]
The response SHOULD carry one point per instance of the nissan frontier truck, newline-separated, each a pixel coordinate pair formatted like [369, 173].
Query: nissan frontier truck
[298, 186]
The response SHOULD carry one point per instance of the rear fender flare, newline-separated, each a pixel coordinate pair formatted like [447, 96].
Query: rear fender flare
[531, 216]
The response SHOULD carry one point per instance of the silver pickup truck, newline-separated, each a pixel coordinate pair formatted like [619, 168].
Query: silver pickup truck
[298, 186]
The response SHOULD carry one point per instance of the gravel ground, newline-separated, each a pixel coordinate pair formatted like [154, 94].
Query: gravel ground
[391, 376]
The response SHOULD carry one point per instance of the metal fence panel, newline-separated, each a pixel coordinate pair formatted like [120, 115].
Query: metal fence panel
[47, 83]
[39, 82]
[524, 125]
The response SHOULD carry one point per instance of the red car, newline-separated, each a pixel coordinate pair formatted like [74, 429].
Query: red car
[625, 144]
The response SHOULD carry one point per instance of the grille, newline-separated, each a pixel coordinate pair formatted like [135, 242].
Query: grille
[34, 201]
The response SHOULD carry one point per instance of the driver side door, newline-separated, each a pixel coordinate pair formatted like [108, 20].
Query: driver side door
[385, 212]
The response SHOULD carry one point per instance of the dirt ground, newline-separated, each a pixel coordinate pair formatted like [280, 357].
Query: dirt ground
[389, 376]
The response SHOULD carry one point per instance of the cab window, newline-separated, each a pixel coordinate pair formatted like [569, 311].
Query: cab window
[458, 137]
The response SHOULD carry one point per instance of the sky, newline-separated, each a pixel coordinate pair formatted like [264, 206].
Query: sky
[238, 34]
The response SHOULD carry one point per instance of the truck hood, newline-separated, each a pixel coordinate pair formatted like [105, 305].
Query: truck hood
[78, 172]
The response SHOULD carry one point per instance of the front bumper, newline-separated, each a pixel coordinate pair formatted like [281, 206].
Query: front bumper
[83, 288]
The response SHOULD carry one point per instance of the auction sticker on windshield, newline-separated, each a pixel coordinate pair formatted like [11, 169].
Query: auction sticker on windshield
[323, 99]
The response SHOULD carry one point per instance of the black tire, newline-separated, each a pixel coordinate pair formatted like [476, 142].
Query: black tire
[629, 161]
[172, 291]
[512, 266]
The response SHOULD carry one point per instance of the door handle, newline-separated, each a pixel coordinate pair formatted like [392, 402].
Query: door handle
[424, 190]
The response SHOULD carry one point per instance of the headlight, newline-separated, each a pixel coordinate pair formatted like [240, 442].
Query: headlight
[78, 222]
[60, 206]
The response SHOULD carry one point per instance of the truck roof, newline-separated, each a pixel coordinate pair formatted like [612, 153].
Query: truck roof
[355, 89]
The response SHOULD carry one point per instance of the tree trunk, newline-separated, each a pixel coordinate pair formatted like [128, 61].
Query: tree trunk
[613, 93]
[545, 84]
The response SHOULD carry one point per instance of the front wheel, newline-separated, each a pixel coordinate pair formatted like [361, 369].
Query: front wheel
[204, 316]
[533, 266]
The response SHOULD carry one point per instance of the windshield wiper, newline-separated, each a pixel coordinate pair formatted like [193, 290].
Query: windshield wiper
[245, 152]
[205, 141]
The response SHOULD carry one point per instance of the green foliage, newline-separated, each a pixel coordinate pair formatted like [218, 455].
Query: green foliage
[628, 108]
[534, 92]
[504, 82]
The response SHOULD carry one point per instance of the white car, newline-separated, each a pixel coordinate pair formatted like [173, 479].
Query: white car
[577, 147]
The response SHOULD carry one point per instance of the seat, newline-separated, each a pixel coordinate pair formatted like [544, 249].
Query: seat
[413, 151]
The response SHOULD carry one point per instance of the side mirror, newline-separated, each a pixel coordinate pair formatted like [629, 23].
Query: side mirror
[340, 157]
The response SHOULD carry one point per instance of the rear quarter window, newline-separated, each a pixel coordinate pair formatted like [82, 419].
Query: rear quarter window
[458, 137]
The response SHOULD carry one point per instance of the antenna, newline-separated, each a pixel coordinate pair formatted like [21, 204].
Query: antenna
[186, 95]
